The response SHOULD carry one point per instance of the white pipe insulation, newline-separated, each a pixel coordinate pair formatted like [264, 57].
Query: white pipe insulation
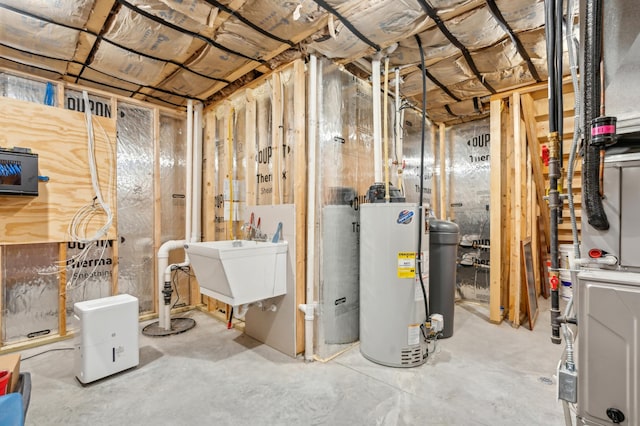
[309, 306]
[377, 120]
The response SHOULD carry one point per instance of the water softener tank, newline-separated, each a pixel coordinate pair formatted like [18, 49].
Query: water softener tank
[392, 307]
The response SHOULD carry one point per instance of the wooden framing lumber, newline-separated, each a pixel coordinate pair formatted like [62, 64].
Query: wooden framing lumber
[300, 193]
[496, 212]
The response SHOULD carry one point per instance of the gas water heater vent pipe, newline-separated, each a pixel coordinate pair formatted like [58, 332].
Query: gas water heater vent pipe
[398, 148]
[385, 123]
[377, 119]
[309, 306]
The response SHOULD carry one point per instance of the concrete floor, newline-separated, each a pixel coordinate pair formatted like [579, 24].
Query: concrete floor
[483, 375]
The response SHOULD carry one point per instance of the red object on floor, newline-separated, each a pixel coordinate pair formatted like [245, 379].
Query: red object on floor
[5, 375]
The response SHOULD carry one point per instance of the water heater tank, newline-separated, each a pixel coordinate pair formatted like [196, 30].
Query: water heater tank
[392, 307]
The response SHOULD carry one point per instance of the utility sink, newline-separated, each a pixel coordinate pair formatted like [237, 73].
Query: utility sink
[238, 272]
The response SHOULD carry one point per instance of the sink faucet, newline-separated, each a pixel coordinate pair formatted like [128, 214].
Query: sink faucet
[252, 232]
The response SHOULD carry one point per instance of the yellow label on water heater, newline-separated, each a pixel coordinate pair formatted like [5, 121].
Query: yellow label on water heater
[406, 264]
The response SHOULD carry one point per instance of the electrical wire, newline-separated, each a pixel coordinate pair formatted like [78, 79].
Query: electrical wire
[44, 352]
[420, 203]
[175, 281]
[78, 228]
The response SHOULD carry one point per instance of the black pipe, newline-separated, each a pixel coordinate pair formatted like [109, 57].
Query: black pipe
[552, 33]
[420, 203]
[592, 55]
[559, 73]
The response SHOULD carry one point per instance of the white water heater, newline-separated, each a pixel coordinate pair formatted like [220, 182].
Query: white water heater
[392, 307]
[108, 336]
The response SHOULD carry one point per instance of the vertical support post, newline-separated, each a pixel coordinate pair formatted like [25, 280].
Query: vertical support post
[114, 267]
[443, 173]
[62, 289]
[276, 137]
[516, 263]
[435, 206]
[250, 144]
[496, 197]
[300, 192]
[157, 199]
[60, 96]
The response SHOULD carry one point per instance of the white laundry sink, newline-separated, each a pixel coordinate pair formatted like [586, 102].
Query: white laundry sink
[240, 271]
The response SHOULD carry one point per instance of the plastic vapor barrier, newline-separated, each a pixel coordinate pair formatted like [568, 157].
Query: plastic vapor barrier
[286, 172]
[135, 203]
[264, 148]
[173, 171]
[261, 168]
[173, 184]
[412, 135]
[345, 172]
[98, 105]
[23, 89]
[220, 165]
[89, 278]
[468, 180]
[29, 291]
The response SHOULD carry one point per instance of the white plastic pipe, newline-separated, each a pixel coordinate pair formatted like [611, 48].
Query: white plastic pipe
[377, 120]
[608, 260]
[385, 123]
[196, 209]
[309, 312]
[189, 190]
[164, 275]
[311, 207]
[191, 197]
[398, 133]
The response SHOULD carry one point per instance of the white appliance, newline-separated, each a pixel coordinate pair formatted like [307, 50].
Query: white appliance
[392, 305]
[108, 336]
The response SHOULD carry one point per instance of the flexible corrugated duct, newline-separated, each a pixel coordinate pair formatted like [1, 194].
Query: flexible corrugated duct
[591, 34]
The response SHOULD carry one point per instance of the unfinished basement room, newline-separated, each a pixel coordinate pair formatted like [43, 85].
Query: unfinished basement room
[319, 212]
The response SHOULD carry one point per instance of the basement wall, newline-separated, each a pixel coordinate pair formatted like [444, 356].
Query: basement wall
[39, 281]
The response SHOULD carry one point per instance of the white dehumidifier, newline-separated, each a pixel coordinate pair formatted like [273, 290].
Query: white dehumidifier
[108, 336]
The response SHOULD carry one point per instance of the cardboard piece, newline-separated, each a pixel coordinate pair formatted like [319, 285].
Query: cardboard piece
[11, 363]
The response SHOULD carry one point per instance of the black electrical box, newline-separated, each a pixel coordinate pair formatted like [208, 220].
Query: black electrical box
[18, 172]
